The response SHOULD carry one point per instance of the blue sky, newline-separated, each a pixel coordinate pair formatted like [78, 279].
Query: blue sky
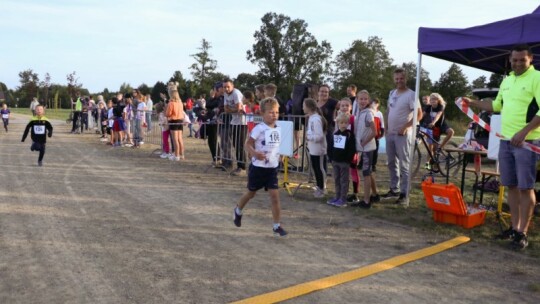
[111, 42]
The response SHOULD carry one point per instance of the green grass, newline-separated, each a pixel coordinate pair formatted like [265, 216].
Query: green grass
[419, 217]
[61, 114]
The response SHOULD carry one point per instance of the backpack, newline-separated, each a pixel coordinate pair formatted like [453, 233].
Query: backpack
[378, 127]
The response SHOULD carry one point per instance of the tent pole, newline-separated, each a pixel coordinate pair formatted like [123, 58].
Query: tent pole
[415, 118]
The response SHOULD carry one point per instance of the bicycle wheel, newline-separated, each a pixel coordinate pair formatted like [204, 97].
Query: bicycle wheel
[416, 159]
[450, 161]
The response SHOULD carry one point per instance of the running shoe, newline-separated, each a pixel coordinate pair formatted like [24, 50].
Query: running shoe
[340, 203]
[391, 194]
[520, 242]
[237, 218]
[279, 231]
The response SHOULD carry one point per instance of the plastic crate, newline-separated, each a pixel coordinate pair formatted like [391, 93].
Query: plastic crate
[465, 221]
[448, 206]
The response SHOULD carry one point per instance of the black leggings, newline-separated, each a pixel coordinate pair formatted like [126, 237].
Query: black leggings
[39, 147]
[6, 122]
[318, 164]
[211, 134]
[76, 115]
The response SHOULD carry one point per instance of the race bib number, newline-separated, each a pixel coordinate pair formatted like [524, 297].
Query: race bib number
[6, 116]
[339, 141]
[40, 130]
[272, 138]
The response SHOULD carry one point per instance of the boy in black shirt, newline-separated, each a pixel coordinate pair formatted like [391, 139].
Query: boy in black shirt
[40, 128]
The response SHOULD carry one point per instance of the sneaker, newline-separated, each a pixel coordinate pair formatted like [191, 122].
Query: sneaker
[141, 143]
[340, 203]
[391, 194]
[40, 163]
[239, 172]
[520, 241]
[237, 218]
[172, 157]
[352, 198]
[375, 198]
[402, 200]
[355, 203]
[363, 204]
[318, 193]
[331, 201]
[279, 231]
[164, 155]
[508, 234]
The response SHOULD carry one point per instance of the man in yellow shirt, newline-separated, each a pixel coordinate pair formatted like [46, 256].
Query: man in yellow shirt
[517, 102]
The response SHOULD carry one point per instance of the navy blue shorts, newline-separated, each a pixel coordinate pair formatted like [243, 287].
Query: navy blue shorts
[259, 177]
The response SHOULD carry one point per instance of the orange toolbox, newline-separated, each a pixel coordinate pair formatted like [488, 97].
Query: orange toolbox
[448, 206]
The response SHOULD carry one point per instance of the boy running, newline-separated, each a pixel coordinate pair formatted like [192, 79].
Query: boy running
[263, 147]
[41, 128]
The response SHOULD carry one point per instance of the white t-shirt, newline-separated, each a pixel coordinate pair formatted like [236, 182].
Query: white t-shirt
[128, 110]
[267, 140]
[400, 110]
[110, 116]
[149, 105]
[140, 110]
[232, 100]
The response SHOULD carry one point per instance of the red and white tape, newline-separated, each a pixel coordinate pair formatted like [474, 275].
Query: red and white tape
[464, 107]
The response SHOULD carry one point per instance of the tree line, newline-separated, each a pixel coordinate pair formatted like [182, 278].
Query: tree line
[285, 53]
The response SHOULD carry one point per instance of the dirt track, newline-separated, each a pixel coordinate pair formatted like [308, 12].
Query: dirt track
[115, 225]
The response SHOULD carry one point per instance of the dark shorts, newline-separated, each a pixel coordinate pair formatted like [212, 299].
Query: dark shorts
[517, 166]
[375, 157]
[176, 125]
[367, 163]
[109, 130]
[118, 125]
[438, 131]
[259, 178]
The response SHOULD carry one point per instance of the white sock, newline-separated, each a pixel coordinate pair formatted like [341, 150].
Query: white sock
[276, 226]
[238, 210]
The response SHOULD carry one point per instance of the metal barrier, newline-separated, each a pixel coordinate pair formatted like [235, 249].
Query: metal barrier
[233, 130]
[139, 131]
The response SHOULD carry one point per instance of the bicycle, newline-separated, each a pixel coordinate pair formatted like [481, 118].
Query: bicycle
[439, 162]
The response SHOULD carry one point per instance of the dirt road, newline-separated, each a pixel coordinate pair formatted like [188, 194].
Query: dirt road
[98, 224]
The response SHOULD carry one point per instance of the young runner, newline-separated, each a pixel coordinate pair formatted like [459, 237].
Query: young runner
[263, 147]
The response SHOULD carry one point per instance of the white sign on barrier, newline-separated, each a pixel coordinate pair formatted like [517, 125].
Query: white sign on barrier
[287, 131]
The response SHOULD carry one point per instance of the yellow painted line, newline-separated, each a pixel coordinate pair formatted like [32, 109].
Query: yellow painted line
[331, 281]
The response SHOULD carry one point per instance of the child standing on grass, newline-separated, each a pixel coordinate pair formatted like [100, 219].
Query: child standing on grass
[316, 140]
[5, 112]
[365, 142]
[263, 147]
[345, 107]
[343, 151]
[40, 128]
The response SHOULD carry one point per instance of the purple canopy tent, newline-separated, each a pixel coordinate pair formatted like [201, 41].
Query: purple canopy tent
[485, 47]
